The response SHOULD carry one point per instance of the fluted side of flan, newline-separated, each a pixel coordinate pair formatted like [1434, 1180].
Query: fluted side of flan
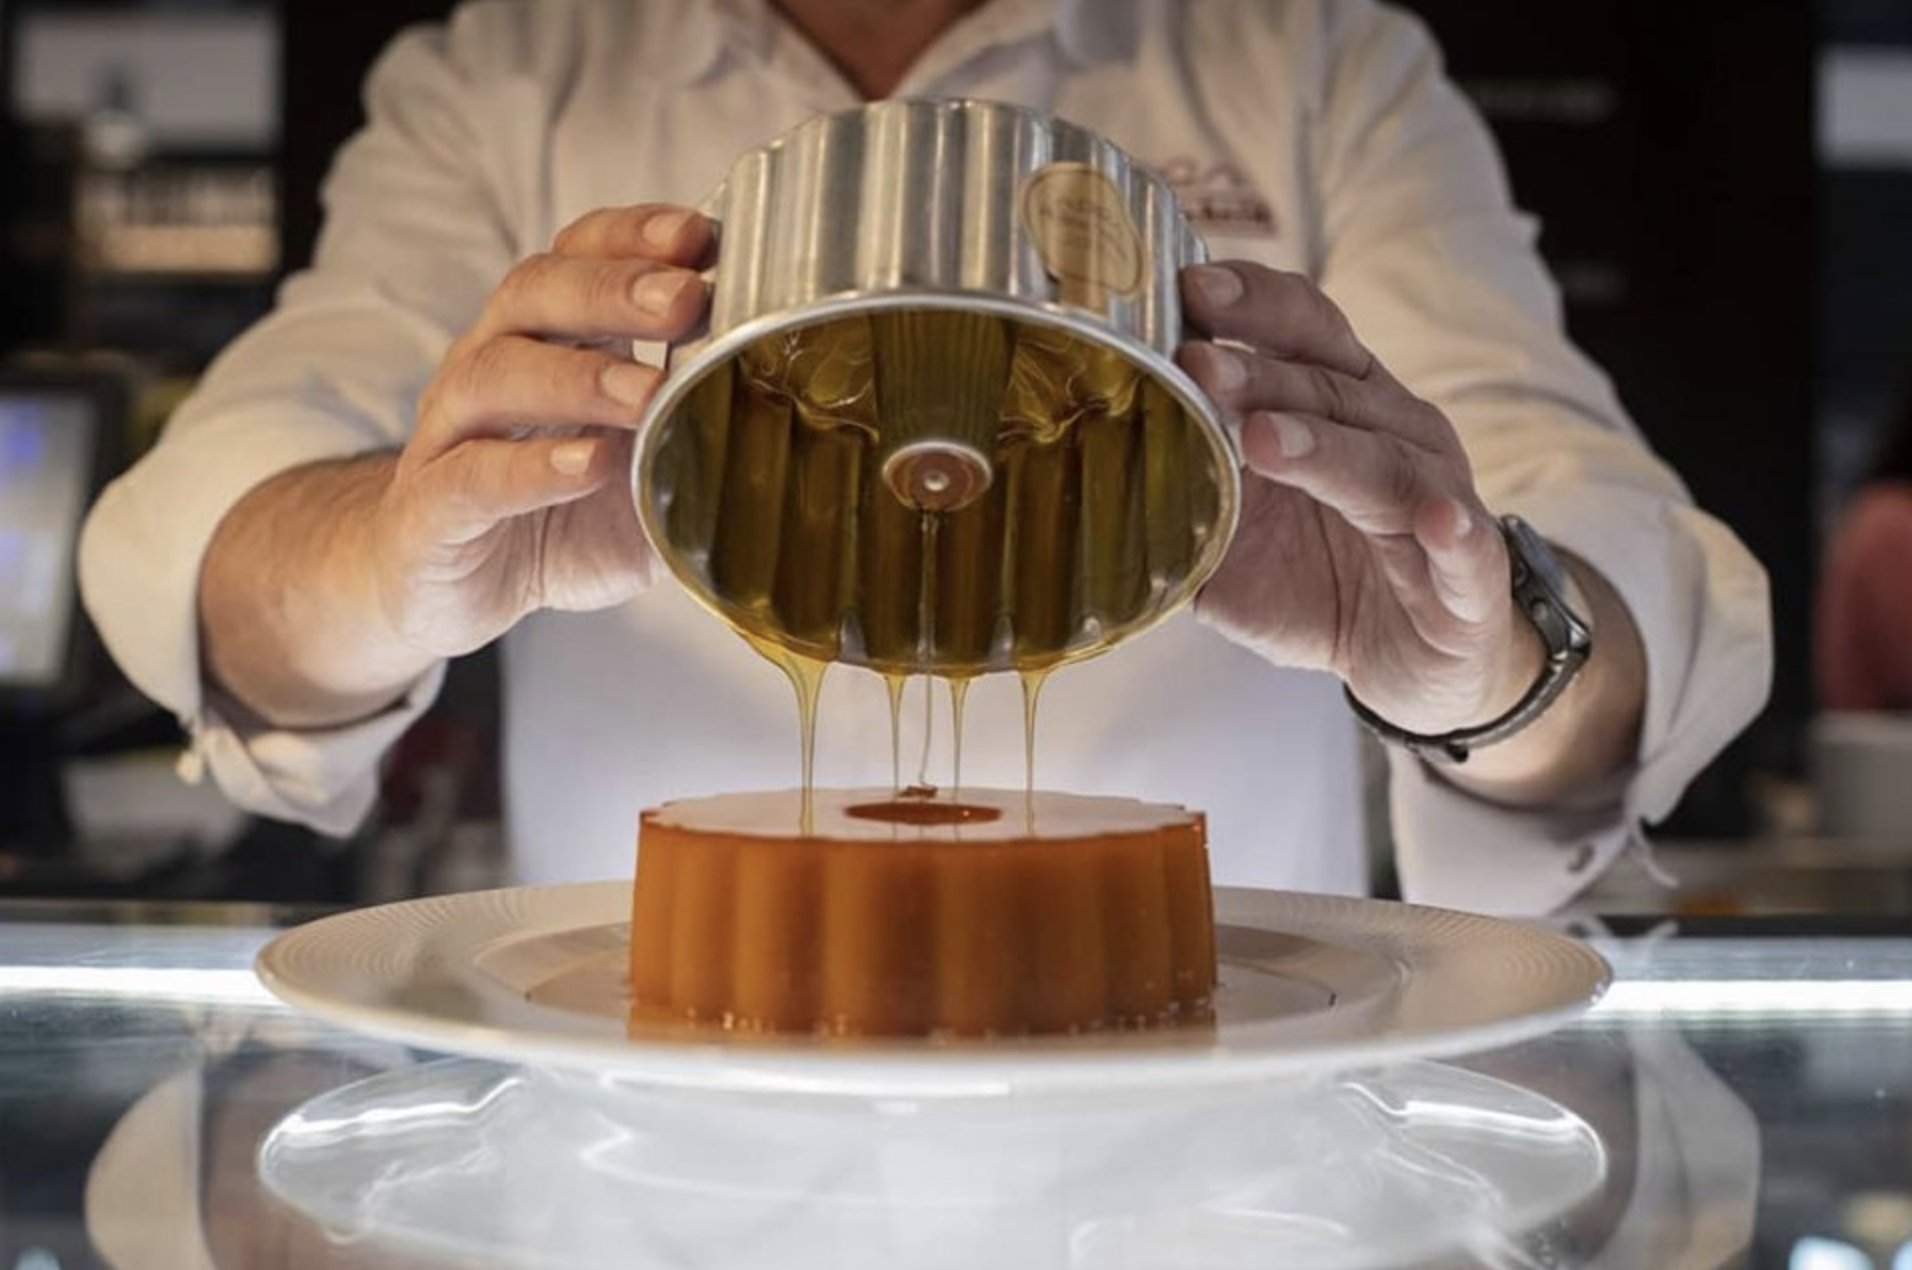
[1025, 925]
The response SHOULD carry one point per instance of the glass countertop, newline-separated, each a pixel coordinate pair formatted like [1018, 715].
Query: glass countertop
[1742, 1096]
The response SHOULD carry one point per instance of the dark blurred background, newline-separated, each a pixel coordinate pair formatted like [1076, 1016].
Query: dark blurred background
[1725, 192]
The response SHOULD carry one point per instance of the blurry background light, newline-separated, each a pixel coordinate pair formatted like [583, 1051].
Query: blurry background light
[1815, 1253]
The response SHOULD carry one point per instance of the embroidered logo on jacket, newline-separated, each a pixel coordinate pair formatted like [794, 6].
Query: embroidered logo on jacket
[1217, 198]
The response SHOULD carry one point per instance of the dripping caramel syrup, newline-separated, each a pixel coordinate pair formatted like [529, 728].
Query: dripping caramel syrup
[806, 675]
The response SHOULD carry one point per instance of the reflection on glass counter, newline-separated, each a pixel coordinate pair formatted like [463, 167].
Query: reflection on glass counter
[1740, 1101]
[477, 1161]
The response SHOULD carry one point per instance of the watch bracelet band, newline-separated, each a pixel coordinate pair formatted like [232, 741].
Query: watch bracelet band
[1568, 643]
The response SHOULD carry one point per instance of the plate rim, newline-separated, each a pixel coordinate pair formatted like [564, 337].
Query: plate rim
[896, 1071]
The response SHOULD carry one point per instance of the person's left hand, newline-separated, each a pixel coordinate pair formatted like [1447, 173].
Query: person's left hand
[1363, 548]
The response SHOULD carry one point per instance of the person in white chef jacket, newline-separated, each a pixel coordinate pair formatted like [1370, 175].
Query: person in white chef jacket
[424, 448]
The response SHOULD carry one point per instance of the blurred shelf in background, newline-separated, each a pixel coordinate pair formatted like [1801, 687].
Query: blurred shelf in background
[177, 221]
[144, 216]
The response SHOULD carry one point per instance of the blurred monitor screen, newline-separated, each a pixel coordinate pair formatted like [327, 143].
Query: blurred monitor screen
[47, 442]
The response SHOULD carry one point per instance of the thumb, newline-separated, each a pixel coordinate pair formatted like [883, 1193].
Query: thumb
[1466, 560]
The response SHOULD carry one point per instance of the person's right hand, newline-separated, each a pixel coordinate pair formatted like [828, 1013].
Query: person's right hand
[513, 493]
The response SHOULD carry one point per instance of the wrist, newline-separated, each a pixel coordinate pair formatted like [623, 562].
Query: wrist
[1522, 661]
[1547, 604]
[1479, 691]
[290, 624]
[379, 588]
[1590, 733]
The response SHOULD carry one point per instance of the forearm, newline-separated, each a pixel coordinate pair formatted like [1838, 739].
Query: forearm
[291, 622]
[1588, 735]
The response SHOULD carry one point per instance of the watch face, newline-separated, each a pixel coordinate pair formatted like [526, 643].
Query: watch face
[1547, 592]
[1539, 558]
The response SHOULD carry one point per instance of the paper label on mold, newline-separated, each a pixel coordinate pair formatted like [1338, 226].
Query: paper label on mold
[1082, 229]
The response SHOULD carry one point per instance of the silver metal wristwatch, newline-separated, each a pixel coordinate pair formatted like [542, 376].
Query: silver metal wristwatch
[1545, 593]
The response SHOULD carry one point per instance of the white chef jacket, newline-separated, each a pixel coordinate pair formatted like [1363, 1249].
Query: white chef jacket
[1311, 135]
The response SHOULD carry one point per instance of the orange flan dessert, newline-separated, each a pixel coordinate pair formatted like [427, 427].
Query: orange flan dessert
[996, 913]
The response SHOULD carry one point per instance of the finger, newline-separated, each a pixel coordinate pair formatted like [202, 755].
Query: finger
[1241, 383]
[1375, 482]
[1281, 314]
[472, 488]
[495, 386]
[649, 231]
[586, 299]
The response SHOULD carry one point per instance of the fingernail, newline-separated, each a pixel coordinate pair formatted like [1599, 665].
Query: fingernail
[1216, 285]
[573, 457]
[654, 292]
[1226, 368]
[662, 229]
[1296, 439]
[628, 384]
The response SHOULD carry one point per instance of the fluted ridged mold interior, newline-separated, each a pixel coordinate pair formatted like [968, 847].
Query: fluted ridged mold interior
[918, 205]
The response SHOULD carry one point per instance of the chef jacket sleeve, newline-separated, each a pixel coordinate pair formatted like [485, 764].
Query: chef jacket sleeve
[415, 239]
[1421, 246]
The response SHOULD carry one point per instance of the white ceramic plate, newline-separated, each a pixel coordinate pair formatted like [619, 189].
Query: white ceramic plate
[500, 1166]
[1309, 983]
